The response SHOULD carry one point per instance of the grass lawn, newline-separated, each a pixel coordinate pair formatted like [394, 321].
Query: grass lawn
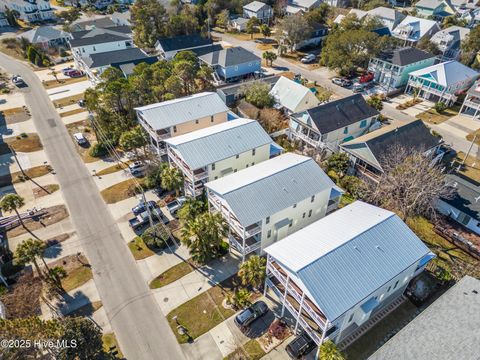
[250, 351]
[30, 143]
[14, 52]
[77, 277]
[50, 84]
[45, 190]
[174, 273]
[113, 169]
[433, 117]
[110, 345]
[201, 313]
[12, 111]
[120, 191]
[17, 177]
[471, 168]
[72, 112]
[69, 100]
[245, 36]
[139, 249]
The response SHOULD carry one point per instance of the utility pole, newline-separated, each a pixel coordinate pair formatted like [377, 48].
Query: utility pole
[468, 152]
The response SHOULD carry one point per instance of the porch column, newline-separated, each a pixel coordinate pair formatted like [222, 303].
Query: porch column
[208, 203]
[243, 249]
[266, 276]
[299, 312]
[324, 332]
[285, 296]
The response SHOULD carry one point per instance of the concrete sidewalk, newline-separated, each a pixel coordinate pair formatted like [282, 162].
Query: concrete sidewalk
[156, 264]
[175, 294]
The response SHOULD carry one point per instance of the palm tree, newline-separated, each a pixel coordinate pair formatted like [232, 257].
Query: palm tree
[28, 251]
[12, 202]
[172, 179]
[204, 236]
[56, 275]
[269, 56]
[329, 351]
[252, 271]
[192, 208]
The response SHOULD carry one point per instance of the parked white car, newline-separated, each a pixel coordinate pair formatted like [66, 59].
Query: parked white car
[136, 168]
[80, 139]
[308, 58]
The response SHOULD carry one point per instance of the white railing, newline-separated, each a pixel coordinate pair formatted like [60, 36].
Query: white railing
[244, 250]
[472, 104]
[307, 139]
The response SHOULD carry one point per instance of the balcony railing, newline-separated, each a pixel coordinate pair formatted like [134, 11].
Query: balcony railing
[251, 244]
[296, 293]
[472, 104]
[307, 139]
[443, 93]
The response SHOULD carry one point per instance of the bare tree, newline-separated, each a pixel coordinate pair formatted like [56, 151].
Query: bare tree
[410, 184]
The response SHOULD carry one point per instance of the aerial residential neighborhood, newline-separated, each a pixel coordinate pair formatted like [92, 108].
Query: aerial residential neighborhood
[239, 180]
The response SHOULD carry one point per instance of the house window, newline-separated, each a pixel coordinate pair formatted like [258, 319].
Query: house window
[174, 129]
[395, 286]
[235, 170]
[213, 166]
[363, 123]
[291, 223]
[211, 118]
[196, 121]
[388, 290]
[253, 152]
[216, 177]
[294, 206]
[312, 199]
[247, 165]
[345, 131]
[351, 317]
[309, 213]
[269, 233]
[253, 163]
[303, 216]
[267, 220]
[94, 49]
[237, 156]
[236, 68]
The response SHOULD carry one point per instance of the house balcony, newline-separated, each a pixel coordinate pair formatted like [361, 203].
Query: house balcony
[196, 175]
[422, 87]
[252, 244]
[316, 143]
[293, 308]
[296, 293]
[193, 189]
[242, 231]
[471, 102]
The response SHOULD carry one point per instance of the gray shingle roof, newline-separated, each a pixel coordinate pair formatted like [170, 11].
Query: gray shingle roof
[405, 56]
[338, 114]
[425, 338]
[117, 56]
[344, 257]
[219, 142]
[43, 34]
[103, 22]
[100, 36]
[466, 193]
[183, 42]
[273, 185]
[255, 6]
[230, 57]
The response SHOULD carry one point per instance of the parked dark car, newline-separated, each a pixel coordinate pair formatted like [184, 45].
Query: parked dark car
[300, 346]
[250, 314]
[141, 207]
[75, 74]
[159, 191]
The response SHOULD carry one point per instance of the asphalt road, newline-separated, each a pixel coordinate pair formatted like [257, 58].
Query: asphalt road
[136, 319]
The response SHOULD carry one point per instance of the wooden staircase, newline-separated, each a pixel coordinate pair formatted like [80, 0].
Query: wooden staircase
[358, 332]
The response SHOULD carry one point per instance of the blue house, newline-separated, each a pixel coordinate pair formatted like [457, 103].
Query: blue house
[232, 63]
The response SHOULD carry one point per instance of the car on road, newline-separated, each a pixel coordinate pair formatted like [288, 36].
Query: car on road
[342, 82]
[176, 204]
[136, 168]
[67, 71]
[75, 74]
[357, 87]
[17, 80]
[250, 314]
[159, 191]
[307, 59]
[143, 218]
[300, 346]
[80, 139]
[142, 206]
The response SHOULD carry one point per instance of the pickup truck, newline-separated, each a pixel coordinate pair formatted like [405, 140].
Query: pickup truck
[142, 219]
[176, 204]
[142, 207]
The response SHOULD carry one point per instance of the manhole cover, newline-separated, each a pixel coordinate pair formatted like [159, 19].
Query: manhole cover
[52, 122]
[165, 299]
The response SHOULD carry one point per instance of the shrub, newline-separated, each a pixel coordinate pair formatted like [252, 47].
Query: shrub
[5, 91]
[278, 329]
[239, 299]
[23, 135]
[338, 162]
[440, 107]
[353, 185]
[98, 150]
